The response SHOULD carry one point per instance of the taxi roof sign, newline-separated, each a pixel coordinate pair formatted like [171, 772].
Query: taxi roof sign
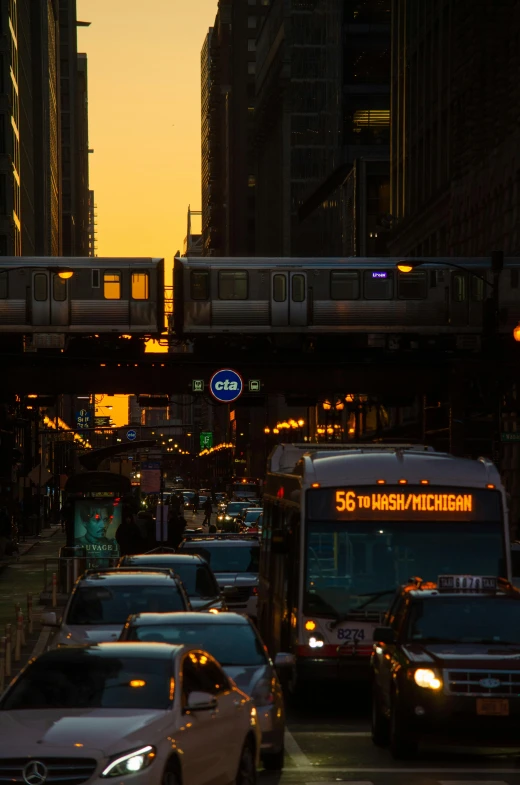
[469, 583]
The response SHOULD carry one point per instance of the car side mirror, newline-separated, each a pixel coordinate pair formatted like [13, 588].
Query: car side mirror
[284, 660]
[49, 619]
[201, 701]
[384, 635]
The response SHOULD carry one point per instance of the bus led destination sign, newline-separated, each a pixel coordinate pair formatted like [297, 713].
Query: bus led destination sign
[413, 503]
[350, 501]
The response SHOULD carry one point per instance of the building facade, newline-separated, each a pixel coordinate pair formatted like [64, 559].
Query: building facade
[455, 182]
[228, 66]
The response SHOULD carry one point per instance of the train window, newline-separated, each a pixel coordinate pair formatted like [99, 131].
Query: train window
[95, 279]
[199, 284]
[140, 286]
[378, 285]
[3, 286]
[40, 287]
[59, 288]
[514, 279]
[344, 285]
[232, 285]
[477, 289]
[279, 288]
[112, 286]
[458, 289]
[412, 286]
[298, 288]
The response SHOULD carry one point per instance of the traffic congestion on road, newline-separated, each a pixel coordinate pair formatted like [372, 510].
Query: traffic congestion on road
[301, 648]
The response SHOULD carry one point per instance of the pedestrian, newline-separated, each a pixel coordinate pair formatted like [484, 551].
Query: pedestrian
[196, 502]
[176, 503]
[208, 509]
[176, 527]
[5, 530]
[128, 535]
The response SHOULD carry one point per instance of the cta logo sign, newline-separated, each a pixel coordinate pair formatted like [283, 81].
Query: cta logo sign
[226, 385]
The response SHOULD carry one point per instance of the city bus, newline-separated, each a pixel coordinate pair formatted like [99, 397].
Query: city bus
[344, 527]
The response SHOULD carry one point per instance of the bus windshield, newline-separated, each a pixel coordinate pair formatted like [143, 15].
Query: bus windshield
[353, 566]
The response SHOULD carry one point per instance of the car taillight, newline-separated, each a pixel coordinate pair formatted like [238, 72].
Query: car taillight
[254, 590]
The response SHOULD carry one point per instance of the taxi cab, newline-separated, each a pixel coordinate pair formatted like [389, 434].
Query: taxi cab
[447, 664]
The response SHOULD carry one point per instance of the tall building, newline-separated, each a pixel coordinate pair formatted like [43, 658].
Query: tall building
[74, 134]
[455, 171]
[92, 223]
[323, 103]
[228, 66]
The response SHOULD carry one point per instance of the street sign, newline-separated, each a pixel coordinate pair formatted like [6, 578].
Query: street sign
[101, 421]
[131, 435]
[226, 385]
[513, 436]
[206, 440]
[254, 385]
[82, 419]
[197, 385]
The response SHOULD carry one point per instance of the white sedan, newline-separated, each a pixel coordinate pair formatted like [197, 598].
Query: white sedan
[133, 713]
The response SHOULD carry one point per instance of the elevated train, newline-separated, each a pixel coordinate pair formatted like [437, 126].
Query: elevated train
[51, 300]
[366, 302]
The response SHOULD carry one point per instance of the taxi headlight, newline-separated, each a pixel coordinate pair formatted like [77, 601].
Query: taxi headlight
[424, 677]
[130, 763]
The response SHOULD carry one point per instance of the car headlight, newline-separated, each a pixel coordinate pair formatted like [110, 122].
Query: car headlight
[228, 517]
[130, 762]
[424, 677]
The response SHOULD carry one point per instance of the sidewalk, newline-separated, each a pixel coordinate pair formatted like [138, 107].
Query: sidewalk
[23, 574]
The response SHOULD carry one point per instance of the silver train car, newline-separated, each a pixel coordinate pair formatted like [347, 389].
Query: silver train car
[64, 297]
[361, 299]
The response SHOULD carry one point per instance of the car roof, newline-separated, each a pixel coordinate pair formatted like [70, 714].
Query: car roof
[180, 617]
[221, 541]
[164, 558]
[126, 577]
[159, 651]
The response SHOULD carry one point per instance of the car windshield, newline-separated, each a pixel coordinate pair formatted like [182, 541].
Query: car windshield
[350, 566]
[112, 605]
[227, 558]
[465, 619]
[82, 680]
[188, 495]
[230, 644]
[252, 516]
[197, 579]
[234, 507]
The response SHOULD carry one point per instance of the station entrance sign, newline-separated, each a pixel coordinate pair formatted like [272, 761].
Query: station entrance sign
[226, 385]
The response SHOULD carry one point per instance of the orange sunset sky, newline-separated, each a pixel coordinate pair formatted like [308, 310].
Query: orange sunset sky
[144, 124]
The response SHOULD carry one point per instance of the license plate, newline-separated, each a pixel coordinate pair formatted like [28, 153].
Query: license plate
[493, 707]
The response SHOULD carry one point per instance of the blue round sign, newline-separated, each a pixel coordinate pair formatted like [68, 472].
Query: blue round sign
[131, 435]
[226, 385]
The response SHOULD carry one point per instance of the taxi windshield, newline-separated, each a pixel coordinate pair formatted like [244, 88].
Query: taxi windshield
[354, 566]
[465, 619]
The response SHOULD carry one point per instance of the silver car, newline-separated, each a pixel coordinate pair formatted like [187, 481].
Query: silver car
[236, 645]
[101, 602]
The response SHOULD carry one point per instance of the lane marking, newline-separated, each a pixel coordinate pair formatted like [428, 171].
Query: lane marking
[301, 761]
[358, 733]
[364, 770]
[472, 782]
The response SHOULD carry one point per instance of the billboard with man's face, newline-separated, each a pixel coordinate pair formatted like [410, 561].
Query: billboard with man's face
[95, 525]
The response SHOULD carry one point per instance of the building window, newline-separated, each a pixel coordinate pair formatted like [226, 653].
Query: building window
[232, 285]
[112, 286]
[298, 288]
[199, 284]
[95, 279]
[344, 285]
[251, 68]
[251, 45]
[412, 286]
[140, 286]
[279, 288]
[40, 287]
[251, 22]
[378, 285]
[59, 289]
[4, 290]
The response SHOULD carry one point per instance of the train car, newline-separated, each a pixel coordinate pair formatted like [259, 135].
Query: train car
[51, 299]
[361, 299]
